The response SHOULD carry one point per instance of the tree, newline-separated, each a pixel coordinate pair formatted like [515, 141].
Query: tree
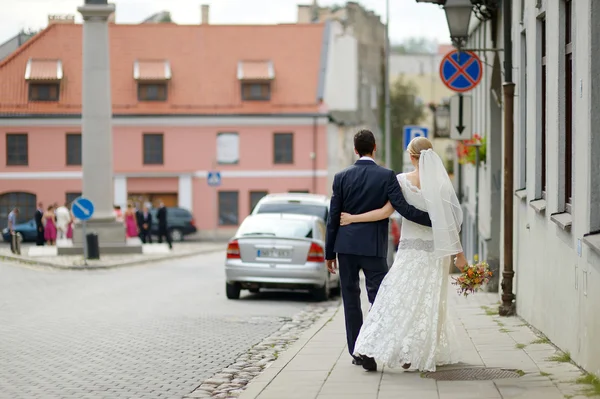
[166, 18]
[405, 109]
[417, 45]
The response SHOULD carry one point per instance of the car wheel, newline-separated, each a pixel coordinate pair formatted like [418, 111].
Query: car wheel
[233, 290]
[176, 235]
[321, 294]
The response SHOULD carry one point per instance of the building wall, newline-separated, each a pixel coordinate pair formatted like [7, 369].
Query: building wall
[557, 273]
[189, 153]
[482, 235]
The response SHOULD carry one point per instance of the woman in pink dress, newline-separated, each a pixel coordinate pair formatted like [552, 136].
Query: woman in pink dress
[49, 226]
[131, 226]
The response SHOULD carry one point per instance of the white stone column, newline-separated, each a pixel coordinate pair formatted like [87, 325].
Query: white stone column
[97, 149]
[185, 196]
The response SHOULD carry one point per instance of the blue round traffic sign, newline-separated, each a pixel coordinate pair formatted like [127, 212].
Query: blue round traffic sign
[82, 208]
[461, 71]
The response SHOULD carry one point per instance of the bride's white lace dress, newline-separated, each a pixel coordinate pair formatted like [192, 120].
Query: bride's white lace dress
[408, 323]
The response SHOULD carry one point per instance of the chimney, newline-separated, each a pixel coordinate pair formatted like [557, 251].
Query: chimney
[205, 11]
[61, 19]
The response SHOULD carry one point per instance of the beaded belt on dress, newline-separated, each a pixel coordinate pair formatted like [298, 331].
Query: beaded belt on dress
[416, 243]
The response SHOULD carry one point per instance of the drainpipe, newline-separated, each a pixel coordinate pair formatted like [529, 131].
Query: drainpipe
[314, 155]
[508, 306]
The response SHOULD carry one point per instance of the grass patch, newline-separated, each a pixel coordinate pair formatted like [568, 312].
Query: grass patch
[490, 311]
[520, 346]
[569, 396]
[520, 372]
[499, 323]
[505, 330]
[542, 340]
[544, 374]
[593, 383]
[562, 357]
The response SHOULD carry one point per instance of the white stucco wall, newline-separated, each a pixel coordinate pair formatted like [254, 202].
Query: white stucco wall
[557, 286]
[341, 79]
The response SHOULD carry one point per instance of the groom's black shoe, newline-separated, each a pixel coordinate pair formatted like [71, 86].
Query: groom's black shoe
[369, 363]
[357, 361]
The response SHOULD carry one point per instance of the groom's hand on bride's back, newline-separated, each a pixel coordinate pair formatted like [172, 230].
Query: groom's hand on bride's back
[332, 265]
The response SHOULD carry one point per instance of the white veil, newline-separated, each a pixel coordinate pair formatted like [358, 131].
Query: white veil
[442, 204]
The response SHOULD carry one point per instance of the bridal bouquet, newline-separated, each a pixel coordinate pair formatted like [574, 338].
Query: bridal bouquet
[472, 278]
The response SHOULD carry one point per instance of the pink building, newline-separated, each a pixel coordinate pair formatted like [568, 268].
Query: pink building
[251, 102]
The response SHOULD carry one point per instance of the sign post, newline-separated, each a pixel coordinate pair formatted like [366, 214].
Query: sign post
[461, 71]
[214, 180]
[83, 209]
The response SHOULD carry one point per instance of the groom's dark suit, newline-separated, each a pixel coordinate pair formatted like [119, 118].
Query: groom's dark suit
[361, 188]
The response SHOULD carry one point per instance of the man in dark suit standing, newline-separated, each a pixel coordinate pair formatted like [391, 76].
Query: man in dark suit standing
[163, 228]
[363, 187]
[39, 224]
[145, 223]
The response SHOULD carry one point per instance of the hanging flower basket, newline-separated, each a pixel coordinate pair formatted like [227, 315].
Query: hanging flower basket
[465, 150]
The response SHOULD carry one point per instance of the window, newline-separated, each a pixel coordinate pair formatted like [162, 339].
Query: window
[523, 103]
[228, 208]
[283, 148]
[70, 197]
[568, 137]
[543, 113]
[228, 148]
[73, 148]
[152, 92]
[44, 92]
[256, 91]
[153, 148]
[26, 203]
[17, 152]
[256, 196]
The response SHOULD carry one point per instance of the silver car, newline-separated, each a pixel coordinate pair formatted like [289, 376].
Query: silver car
[296, 203]
[279, 251]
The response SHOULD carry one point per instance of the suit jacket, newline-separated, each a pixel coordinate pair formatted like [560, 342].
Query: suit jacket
[161, 215]
[144, 220]
[39, 215]
[363, 187]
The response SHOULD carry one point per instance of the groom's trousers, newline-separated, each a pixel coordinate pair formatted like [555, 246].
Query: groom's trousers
[375, 270]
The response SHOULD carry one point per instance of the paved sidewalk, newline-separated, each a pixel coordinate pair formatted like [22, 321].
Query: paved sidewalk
[318, 366]
[180, 250]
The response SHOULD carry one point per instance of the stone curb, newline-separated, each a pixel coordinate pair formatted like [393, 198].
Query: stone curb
[257, 386]
[33, 262]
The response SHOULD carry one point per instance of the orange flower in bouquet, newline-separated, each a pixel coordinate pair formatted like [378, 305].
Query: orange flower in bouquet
[473, 277]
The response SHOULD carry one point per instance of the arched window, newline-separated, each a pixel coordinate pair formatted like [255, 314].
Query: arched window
[24, 201]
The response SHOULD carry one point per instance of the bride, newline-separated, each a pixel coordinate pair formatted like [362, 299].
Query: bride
[408, 323]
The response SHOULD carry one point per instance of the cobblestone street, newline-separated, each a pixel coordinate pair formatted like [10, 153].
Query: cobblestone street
[143, 332]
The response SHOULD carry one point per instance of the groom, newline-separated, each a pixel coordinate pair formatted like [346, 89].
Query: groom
[360, 188]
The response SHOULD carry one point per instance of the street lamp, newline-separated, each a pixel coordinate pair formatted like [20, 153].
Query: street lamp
[458, 15]
[442, 120]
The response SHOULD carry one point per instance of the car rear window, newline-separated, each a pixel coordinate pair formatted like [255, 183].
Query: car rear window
[276, 228]
[295, 209]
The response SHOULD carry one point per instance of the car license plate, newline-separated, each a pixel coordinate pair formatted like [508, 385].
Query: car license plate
[272, 253]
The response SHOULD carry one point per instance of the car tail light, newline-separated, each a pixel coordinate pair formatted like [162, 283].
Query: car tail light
[233, 250]
[193, 222]
[315, 253]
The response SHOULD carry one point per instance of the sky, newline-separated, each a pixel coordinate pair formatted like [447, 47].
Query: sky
[407, 17]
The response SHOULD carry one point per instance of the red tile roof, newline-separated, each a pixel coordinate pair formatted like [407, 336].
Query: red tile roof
[152, 70]
[43, 70]
[256, 70]
[203, 60]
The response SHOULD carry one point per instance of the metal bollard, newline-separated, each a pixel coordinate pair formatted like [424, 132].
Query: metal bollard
[93, 249]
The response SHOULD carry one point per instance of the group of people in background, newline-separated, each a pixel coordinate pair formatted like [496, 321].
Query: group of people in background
[54, 222]
[138, 222]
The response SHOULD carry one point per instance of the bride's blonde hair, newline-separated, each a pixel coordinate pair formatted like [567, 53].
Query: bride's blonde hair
[417, 145]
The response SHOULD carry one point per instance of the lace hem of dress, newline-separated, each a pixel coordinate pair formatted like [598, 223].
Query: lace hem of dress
[416, 243]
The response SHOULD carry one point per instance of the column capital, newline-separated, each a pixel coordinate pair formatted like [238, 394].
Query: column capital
[96, 11]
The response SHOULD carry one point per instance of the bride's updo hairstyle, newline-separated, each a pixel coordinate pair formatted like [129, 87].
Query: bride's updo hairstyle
[417, 145]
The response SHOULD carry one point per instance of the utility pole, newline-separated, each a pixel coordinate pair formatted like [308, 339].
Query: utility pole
[508, 307]
[386, 88]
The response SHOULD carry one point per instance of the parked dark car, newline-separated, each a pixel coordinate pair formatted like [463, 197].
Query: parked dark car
[179, 221]
[28, 231]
